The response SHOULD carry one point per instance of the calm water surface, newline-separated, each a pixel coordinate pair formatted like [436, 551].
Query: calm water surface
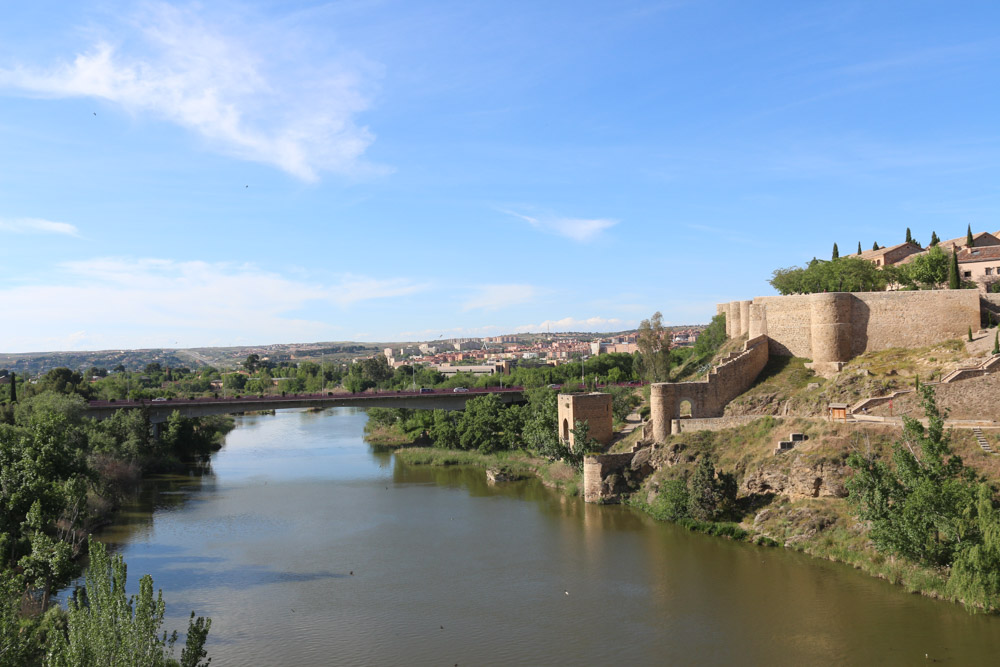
[448, 569]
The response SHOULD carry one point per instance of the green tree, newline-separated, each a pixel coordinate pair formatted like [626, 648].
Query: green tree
[541, 425]
[934, 239]
[107, 627]
[954, 281]
[875, 245]
[443, 432]
[859, 247]
[673, 501]
[654, 349]
[710, 497]
[929, 268]
[996, 342]
[836, 252]
[919, 507]
[909, 237]
[252, 363]
[482, 425]
[969, 240]
[13, 387]
[583, 444]
[970, 333]
[975, 572]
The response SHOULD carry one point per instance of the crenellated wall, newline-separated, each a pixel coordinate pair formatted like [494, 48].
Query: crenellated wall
[708, 398]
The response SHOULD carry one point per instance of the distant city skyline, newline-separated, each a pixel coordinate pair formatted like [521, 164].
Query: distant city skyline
[178, 175]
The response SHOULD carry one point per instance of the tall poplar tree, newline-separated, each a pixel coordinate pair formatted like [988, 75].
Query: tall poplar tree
[836, 253]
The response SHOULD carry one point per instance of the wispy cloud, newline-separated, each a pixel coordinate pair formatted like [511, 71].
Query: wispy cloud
[581, 230]
[114, 302]
[495, 297]
[574, 324]
[189, 72]
[37, 226]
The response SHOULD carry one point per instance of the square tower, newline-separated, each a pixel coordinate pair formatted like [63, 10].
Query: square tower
[594, 409]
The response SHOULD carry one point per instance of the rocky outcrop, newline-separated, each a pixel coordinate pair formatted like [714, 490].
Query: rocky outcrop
[796, 476]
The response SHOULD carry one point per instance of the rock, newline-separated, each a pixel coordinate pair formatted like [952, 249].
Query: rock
[494, 475]
[824, 479]
[642, 462]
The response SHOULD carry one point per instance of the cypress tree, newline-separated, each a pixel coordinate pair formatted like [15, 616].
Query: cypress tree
[875, 246]
[909, 237]
[13, 387]
[836, 253]
[970, 333]
[934, 239]
[953, 281]
[969, 241]
[996, 343]
[859, 247]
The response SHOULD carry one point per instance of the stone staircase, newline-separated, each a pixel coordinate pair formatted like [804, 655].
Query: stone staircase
[978, 432]
[991, 365]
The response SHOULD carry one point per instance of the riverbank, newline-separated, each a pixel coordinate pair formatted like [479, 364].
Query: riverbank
[512, 465]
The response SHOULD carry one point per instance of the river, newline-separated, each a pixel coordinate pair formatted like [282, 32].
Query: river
[307, 547]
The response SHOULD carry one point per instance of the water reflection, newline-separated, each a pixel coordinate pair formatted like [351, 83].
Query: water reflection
[308, 547]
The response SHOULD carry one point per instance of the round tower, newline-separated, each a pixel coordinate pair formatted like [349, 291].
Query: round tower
[831, 327]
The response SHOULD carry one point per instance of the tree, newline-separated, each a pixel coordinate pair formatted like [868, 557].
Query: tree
[934, 239]
[859, 247]
[252, 363]
[919, 507]
[654, 348]
[105, 626]
[875, 246]
[954, 281]
[13, 387]
[929, 268]
[541, 423]
[710, 497]
[847, 274]
[909, 237]
[673, 501]
[996, 343]
[969, 240]
[970, 333]
[836, 253]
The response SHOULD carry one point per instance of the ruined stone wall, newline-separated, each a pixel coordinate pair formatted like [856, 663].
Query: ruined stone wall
[837, 326]
[594, 409]
[708, 398]
[597, 468]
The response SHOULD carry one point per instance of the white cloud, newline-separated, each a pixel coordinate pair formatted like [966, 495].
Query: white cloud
[37, 226]
[113, 303]
[581, 230]
[574, 324]
[226, 88]
[495, 297]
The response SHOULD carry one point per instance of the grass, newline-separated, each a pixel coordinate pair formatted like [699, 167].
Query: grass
[556, 474]
[387, 436]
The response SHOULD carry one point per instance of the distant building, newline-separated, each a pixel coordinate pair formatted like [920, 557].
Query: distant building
[888, 256]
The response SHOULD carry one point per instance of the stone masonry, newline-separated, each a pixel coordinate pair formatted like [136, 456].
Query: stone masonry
[708, 398]
[832, 328]
[594, 409]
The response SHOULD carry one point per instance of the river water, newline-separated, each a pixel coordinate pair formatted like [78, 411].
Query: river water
[306, 547]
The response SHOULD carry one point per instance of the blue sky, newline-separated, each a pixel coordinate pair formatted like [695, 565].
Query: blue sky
[233, 173]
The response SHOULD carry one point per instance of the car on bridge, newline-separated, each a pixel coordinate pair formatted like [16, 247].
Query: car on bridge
[460, 390]
[426, 390]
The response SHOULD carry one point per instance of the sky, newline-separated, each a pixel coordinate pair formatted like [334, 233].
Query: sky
[243, 173]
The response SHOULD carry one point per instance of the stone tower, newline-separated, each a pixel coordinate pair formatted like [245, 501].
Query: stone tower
[594, 409]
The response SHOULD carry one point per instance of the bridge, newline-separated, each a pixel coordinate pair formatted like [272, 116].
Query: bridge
[160, 409]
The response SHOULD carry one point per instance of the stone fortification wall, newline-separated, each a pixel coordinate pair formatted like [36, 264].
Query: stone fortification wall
[708, 398]
[834, 327]
[594, 409]
[714, 423]
[596, 469]
[737, 317]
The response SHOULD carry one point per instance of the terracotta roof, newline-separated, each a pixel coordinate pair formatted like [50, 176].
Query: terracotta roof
[989, 253]
[881, 252]
[962, 239]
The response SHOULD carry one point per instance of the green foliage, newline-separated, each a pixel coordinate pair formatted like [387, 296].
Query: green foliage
[954, 281]
[996, 342]
[623, 399]
[969, 240]
[928, 269]
[836, 252]
[541, 426]
[920, 507]
[859, 247]
[970, 333]
[654, 349]
[875, 245]
[673, 501]
[107, 627]
[711, 497]
[444, 430]
[711, 338]
[487, 427]
[934, 239]
[583, 444]
[909, 237]
[847, 274]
